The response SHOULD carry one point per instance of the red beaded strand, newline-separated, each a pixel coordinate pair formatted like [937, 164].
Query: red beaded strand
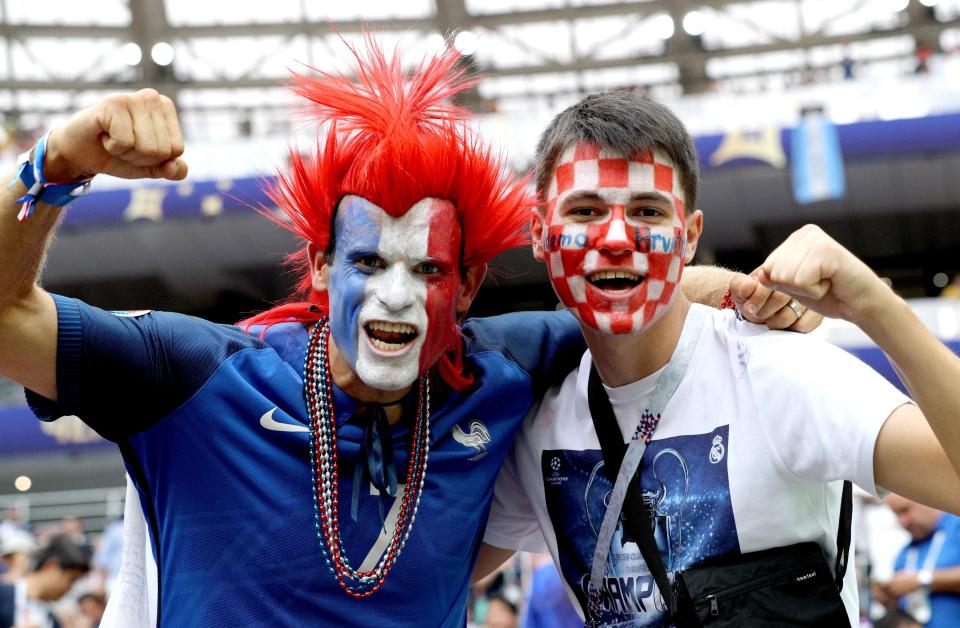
[318, 389]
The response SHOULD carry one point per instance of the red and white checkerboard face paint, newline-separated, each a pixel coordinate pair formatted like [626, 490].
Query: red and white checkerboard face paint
[580, 251]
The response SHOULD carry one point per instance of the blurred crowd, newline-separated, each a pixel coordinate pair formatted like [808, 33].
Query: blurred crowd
[55, 576]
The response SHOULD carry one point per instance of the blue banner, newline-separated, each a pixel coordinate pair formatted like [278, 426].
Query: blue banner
[21, 433]
[816, 160]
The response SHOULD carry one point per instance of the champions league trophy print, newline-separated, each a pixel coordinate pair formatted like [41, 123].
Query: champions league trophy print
[665, 501]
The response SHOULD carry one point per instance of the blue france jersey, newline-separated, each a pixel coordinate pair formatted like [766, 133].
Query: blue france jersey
[212, 425]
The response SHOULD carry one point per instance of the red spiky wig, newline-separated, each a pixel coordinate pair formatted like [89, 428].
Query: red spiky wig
[394, 139]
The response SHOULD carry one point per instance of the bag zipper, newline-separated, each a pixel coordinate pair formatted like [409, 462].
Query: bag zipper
[711, 598]
[714, 609]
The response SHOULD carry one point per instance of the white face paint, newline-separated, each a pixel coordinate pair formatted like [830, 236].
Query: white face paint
[393, 286]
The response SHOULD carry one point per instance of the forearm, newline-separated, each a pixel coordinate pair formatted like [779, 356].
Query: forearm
[22, 245]
[706, 285]
[489, 560]
[930, 371]
[946, 580]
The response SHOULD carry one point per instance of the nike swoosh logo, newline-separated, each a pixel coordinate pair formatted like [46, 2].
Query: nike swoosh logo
[268, 422]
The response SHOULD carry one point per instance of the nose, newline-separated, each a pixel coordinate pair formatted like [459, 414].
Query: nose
[396, 290]
[614, 238]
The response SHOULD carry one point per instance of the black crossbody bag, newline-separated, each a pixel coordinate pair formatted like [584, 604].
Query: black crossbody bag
[782, 586]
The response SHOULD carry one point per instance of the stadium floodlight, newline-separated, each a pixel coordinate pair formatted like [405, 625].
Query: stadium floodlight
[435, 43]
[466, 42]
[162, 53]
[131, 54]
[694, 23]
[662, 26]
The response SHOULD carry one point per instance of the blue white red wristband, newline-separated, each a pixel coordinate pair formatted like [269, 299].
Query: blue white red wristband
[30, 172]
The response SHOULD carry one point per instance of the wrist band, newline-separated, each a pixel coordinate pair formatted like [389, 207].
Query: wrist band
[30, 172]
[727, 303]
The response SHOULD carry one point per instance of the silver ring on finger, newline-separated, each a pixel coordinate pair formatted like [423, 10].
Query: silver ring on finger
[797, 308]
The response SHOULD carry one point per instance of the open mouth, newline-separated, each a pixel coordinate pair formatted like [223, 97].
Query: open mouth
[390, 337]
[614, 280]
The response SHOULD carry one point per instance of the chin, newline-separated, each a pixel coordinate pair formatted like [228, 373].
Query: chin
[387, 375]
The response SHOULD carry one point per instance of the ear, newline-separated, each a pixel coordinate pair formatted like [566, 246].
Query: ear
[318, 268]
[470, 282]
[537, 225]
[694, 229]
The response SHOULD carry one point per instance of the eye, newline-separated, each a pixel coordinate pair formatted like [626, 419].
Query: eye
[427, 268]
[584, 212]
[371, 262]
[647, 212]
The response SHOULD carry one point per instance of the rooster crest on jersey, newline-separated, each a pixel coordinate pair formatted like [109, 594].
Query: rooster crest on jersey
[394, 143]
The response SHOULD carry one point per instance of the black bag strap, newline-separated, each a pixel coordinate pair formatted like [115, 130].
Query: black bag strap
[637, 520]
[843, 534]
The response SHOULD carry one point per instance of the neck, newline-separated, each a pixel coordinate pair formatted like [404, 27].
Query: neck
[623, 359]
[349, 382]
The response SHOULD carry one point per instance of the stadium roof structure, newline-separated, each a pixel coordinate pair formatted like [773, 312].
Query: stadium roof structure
[225, 59]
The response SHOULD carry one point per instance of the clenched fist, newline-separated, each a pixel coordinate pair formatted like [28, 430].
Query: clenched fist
[131, 136]
[818, 272]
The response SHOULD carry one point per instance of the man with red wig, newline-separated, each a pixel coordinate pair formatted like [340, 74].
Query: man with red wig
[366, 394]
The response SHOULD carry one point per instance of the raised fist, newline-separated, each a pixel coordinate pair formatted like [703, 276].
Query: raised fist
[132, 136]
[818, 272]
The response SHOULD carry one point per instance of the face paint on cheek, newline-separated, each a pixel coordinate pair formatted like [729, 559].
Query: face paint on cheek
[442, 289]
[355, 230]
[660, 251]
[566, 249]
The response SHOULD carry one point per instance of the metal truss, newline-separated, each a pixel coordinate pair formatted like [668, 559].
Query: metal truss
[278, 45]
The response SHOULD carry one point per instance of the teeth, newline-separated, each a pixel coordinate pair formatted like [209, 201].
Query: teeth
[613, 274]
[385, 346]
[401, 328]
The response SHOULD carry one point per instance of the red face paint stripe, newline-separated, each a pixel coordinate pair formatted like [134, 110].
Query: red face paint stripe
[564, 177]
[443, 243]
[613, 173]
[663, 178]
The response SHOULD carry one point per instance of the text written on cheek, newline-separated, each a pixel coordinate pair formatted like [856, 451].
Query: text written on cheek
[645, 241]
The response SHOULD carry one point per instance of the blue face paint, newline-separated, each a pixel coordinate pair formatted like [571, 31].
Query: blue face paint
[356, 236]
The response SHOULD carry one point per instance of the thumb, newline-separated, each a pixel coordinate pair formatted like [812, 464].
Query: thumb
[763, 278]
[742, 287]
[174, 170]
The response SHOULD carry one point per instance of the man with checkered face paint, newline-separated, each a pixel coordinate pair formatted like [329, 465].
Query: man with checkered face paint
[747, 448]
[615, 237]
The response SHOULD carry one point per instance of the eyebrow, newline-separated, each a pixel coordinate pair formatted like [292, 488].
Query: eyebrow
[577, 197]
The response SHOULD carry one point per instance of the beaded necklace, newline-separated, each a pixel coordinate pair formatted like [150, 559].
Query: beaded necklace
[318, 390]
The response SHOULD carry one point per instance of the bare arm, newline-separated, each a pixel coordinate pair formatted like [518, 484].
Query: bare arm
[489, 560]
[917, 454]
[706, 284]
[132, 136]
[946, 580]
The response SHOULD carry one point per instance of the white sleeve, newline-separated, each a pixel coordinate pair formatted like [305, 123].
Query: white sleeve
[512, 523]
[133, 600]
[819, 407]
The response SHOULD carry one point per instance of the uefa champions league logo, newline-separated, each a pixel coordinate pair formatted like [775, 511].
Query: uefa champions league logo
[555, 464]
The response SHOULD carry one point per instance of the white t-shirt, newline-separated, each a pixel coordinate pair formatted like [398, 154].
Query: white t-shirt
[749, 454]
